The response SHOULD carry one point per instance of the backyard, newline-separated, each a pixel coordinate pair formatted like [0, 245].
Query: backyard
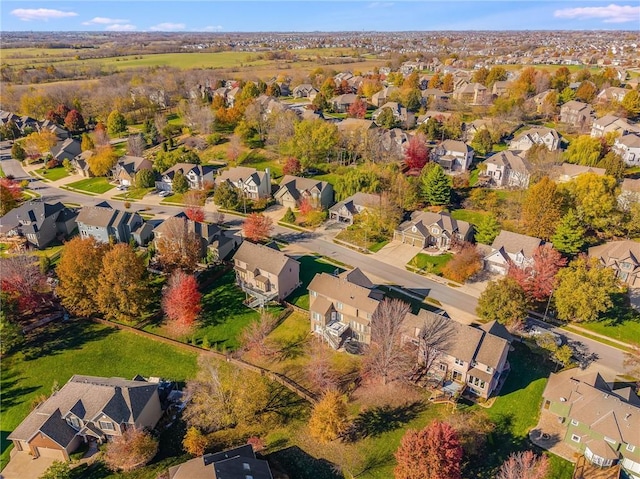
[309, 267]
[97, 185]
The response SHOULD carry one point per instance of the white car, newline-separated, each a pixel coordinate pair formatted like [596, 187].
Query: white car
[538, 331]
[164, 194]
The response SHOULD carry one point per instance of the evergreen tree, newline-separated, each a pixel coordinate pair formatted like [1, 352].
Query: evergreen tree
[289, 216]
[17, 152]
[569, 236]
[436, 186]
[487, 229]
[116, 123]
[180, 183]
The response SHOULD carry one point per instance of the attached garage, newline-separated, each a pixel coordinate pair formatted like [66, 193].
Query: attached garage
[57, 454]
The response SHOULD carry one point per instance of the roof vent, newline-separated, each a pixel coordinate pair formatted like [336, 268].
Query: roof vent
[563, 399]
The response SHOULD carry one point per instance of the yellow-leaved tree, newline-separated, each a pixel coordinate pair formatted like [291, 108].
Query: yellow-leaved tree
[329, 417]
[102, 161]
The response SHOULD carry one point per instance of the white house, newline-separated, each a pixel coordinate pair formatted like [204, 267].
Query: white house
[253, 183]
[511, 248]
[508, 169]
[453, 155]
[538, 135]
[628, 147]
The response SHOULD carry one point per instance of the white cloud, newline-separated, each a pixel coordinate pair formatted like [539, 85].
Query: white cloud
[104, 21]
[40, 14]
[212, 28]
[167, 27]
[121, 27]
[380, 5]
[609, 14]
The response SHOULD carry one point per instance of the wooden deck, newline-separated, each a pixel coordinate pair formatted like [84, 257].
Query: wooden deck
[585, 470]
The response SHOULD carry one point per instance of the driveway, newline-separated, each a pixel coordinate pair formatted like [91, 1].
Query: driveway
[397, 253]
[24, 466]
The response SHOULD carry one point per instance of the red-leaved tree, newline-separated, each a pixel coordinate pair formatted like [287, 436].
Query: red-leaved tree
[524, 465]
[434, 452]
[539, 279]
[181, 301]
[257, 227]
[417, 152]
[305, 206]
[358, 109]
[22, 279]
[194, 201]
[292, 166]
[74, 121]
[10, 195]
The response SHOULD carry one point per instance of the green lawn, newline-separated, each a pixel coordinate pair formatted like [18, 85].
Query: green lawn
[470, 216]
[430, 264]
[96, 185]
[134, 194]
[309, 267]
[627, 331]
[59, 351]
[53, 174]
[174, 198]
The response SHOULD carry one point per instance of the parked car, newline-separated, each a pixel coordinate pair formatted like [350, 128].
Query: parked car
[164, 194]
[536, 332]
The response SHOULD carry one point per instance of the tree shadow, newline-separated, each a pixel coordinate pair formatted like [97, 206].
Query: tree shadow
[297, 463]
[581, 353]
[223, 301]
[621, 312]
[379, 420]
[374, 462]
[12, 394]
[292, 348]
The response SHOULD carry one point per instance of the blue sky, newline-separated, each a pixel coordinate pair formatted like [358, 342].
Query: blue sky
[304, 16]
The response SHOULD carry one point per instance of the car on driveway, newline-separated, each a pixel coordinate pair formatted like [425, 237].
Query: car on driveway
[164, 194]
[536, 332]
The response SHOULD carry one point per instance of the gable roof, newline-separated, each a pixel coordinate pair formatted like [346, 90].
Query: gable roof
[616, 250]
[33, 212]
[296, 185]
[242, 173]
[510, 159]
[258, 256]
[185, 168]
[421, 220]
[236, 463]
[514, 243]
[132, 164]
[364, 200]
[340, 288]
[539, 130]
[105, 216]
[571, 170]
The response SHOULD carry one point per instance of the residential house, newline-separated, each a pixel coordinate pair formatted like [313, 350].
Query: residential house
[341, 307]
[629, 193]
[612, 124]
[623, 257]
[231, 95]
[215, 242]
[403, 117]
[501, 88]
[342, 103]
[440, 116]
[127, 168]
[294, 189]
[25, 124]
[511, 249]
[66, 150]
[628, 147]
[394, 140]
[48, 125]
[434, 98]
[355, 126]
[252, 183]
[568, 172]
[265, 273]
[104, 223]
[613, 93]
[508, 169]
[383, 96]
[471, 93]
[539, 135]
[38, 222]
[598, 421]
[197, 176]
[344, 211]
[539, 100]
[577, 114]
[87, 409]
[473, 356]
[81, 164]
[237, 463]
[453, 155]
[438, 230]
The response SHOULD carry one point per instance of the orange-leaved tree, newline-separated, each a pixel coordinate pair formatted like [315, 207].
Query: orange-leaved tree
[257, 227]
[181, 301]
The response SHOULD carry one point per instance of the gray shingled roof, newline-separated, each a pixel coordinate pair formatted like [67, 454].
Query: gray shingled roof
[262, 257]
[515, 242]
[339, 289]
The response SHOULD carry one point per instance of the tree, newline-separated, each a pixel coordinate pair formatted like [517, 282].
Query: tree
[289, 216]
[417, 153]
[357, 109]
[569, 237]
[524, 465]
[23, 280]
[78, 271]
[10, 195]
[474, 428]
[313, 141]
[434, 337]
[385, 358]
[257, 227]
[355, 180]
[74, 121]
[123, 292]
[116, 123]
[464, 264]
[434, 452]
[136, 145]
[594, 197]
[413, 99]
[100, 134]
[436, 186]
[194, 201]
[482, 141]
[57, 470]
[17, 152]
[194, 442]
[292, 166]
[613, 165]
[273, 89]
[38, 143]
[226, 196]
[541, 209]
[102, 161]
[178, 246]
[504, 301]
[584, 290]
[87, 143]
[181, 301]
[385, 118]
[586, 92]
[254, 336]
[328, 418]
[584, 150]
[133, 449]
[497, 73]
[180, 184]
[631, 103]
[320, 370]
[487, 229]
[145, 179]
[447, 83]
[539, 280]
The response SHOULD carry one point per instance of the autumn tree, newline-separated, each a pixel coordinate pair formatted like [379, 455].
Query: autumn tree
[417, 153]
[586, 92]
[584, 150]
[10, 195]
[123, 292]
[116, 123]
[464, 264]
[292, 166]
[539, 280]
[131, 450]
[57, 470]
[181, 301]
[355, 180]
[487, 229]
[474, 427]
[194, 201]
[23, 280]
[178, 246]
[100, 134]
[38, 143]
[386, 119]
[584, 290]
[504, 301]
[136, 145]
[227, 196]
[17, 152]
[320, 370]
[87, 142]
[434, 452]
[312, 141]
[145, 179]
[357, 109]
[613, 165]
[524, 465]
[102, 162]
[180, 184]
[482, 142]
[631, 103]
[385, 357]
[257, 227]
[254, 336]
[594, 197]
[78, 271]
[74, 121]
[434, 337]
[195, 442]
[328, 418]
[541, 209]
[436, 186]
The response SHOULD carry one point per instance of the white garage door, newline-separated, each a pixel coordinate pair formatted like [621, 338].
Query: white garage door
[56, 454]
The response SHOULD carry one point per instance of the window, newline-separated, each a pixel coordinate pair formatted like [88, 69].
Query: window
[246, 466]
[313, 293]
[625, 265]
[317, 316]
[339, 305]
[443, 367]
[575, 438]
[73, 422]
[489, 369]
[574, 422]
[459, 362]
[106, 425]
[435, 231]
[630, 447]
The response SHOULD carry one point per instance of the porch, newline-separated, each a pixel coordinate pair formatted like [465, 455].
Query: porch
[586, 470]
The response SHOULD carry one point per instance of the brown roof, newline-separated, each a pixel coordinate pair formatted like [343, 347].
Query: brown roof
[258, 256]
[423, 219]
[572, 170]
[515, 242]
[616, 250]
[629, 184]
[339, 289]
[511, 159]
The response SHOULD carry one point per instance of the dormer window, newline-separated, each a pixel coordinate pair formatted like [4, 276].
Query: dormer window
[106, 425]
[519, 258]
[74, 422]
[435, 231]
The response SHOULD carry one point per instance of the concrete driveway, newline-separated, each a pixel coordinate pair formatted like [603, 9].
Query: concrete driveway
[397, 253]
[24, 466]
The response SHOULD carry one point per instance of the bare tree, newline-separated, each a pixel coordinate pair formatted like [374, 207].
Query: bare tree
[524, 465]
[254, 336]
[135, 145]
[178, 245]
[434, 337]
[281, 127]
[234, 149]
[256, 115]
[21, 276]
[319, 370]
[160, 121]
[385, 357]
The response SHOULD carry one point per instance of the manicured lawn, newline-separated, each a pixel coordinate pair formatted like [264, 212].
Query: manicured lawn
[378, 246]
[260, 160]
[134, 194]
[53, 174]
[97, 185]
[60, 350]
[430, 264]
[627, 331]
[174, 198]
[470, 216]
[309, 267]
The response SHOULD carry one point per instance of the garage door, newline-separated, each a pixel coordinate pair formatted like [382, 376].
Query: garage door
[56, 454]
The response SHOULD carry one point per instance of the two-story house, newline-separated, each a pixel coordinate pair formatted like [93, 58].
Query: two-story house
[577, 114]
[383, 96]
[66, 150]
[476, 357]
[342, 306]
[472, 93]
[623, 257]
[294, 189]
[265, 273]
[612, 124]
[342, 103]
[237, 463]
[104, 222]
[427, 229]
[39, 222]
[539, 135]
[87, 409]
[197, 176]
[344, 211]
[453, 155]
[612, 93]
[305, 90]
[568, 172]
[598, 421]
[128, 166]
[628, 147]
[402, 116]
[508, 169]
[253, 184]
[511, 249]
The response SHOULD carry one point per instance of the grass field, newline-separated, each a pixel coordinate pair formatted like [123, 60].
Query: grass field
[431, 264]
[134, 194]
[96, 185]
[470, 216]
[309, 267]
[53, 174]
[627, 331]
[59, 351]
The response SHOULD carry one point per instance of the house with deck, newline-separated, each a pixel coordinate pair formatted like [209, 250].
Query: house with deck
[237, 463]
[436, 230]
[628, 147]
[105, 223]
[539, 135]
[453, 155]
[38, 222]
